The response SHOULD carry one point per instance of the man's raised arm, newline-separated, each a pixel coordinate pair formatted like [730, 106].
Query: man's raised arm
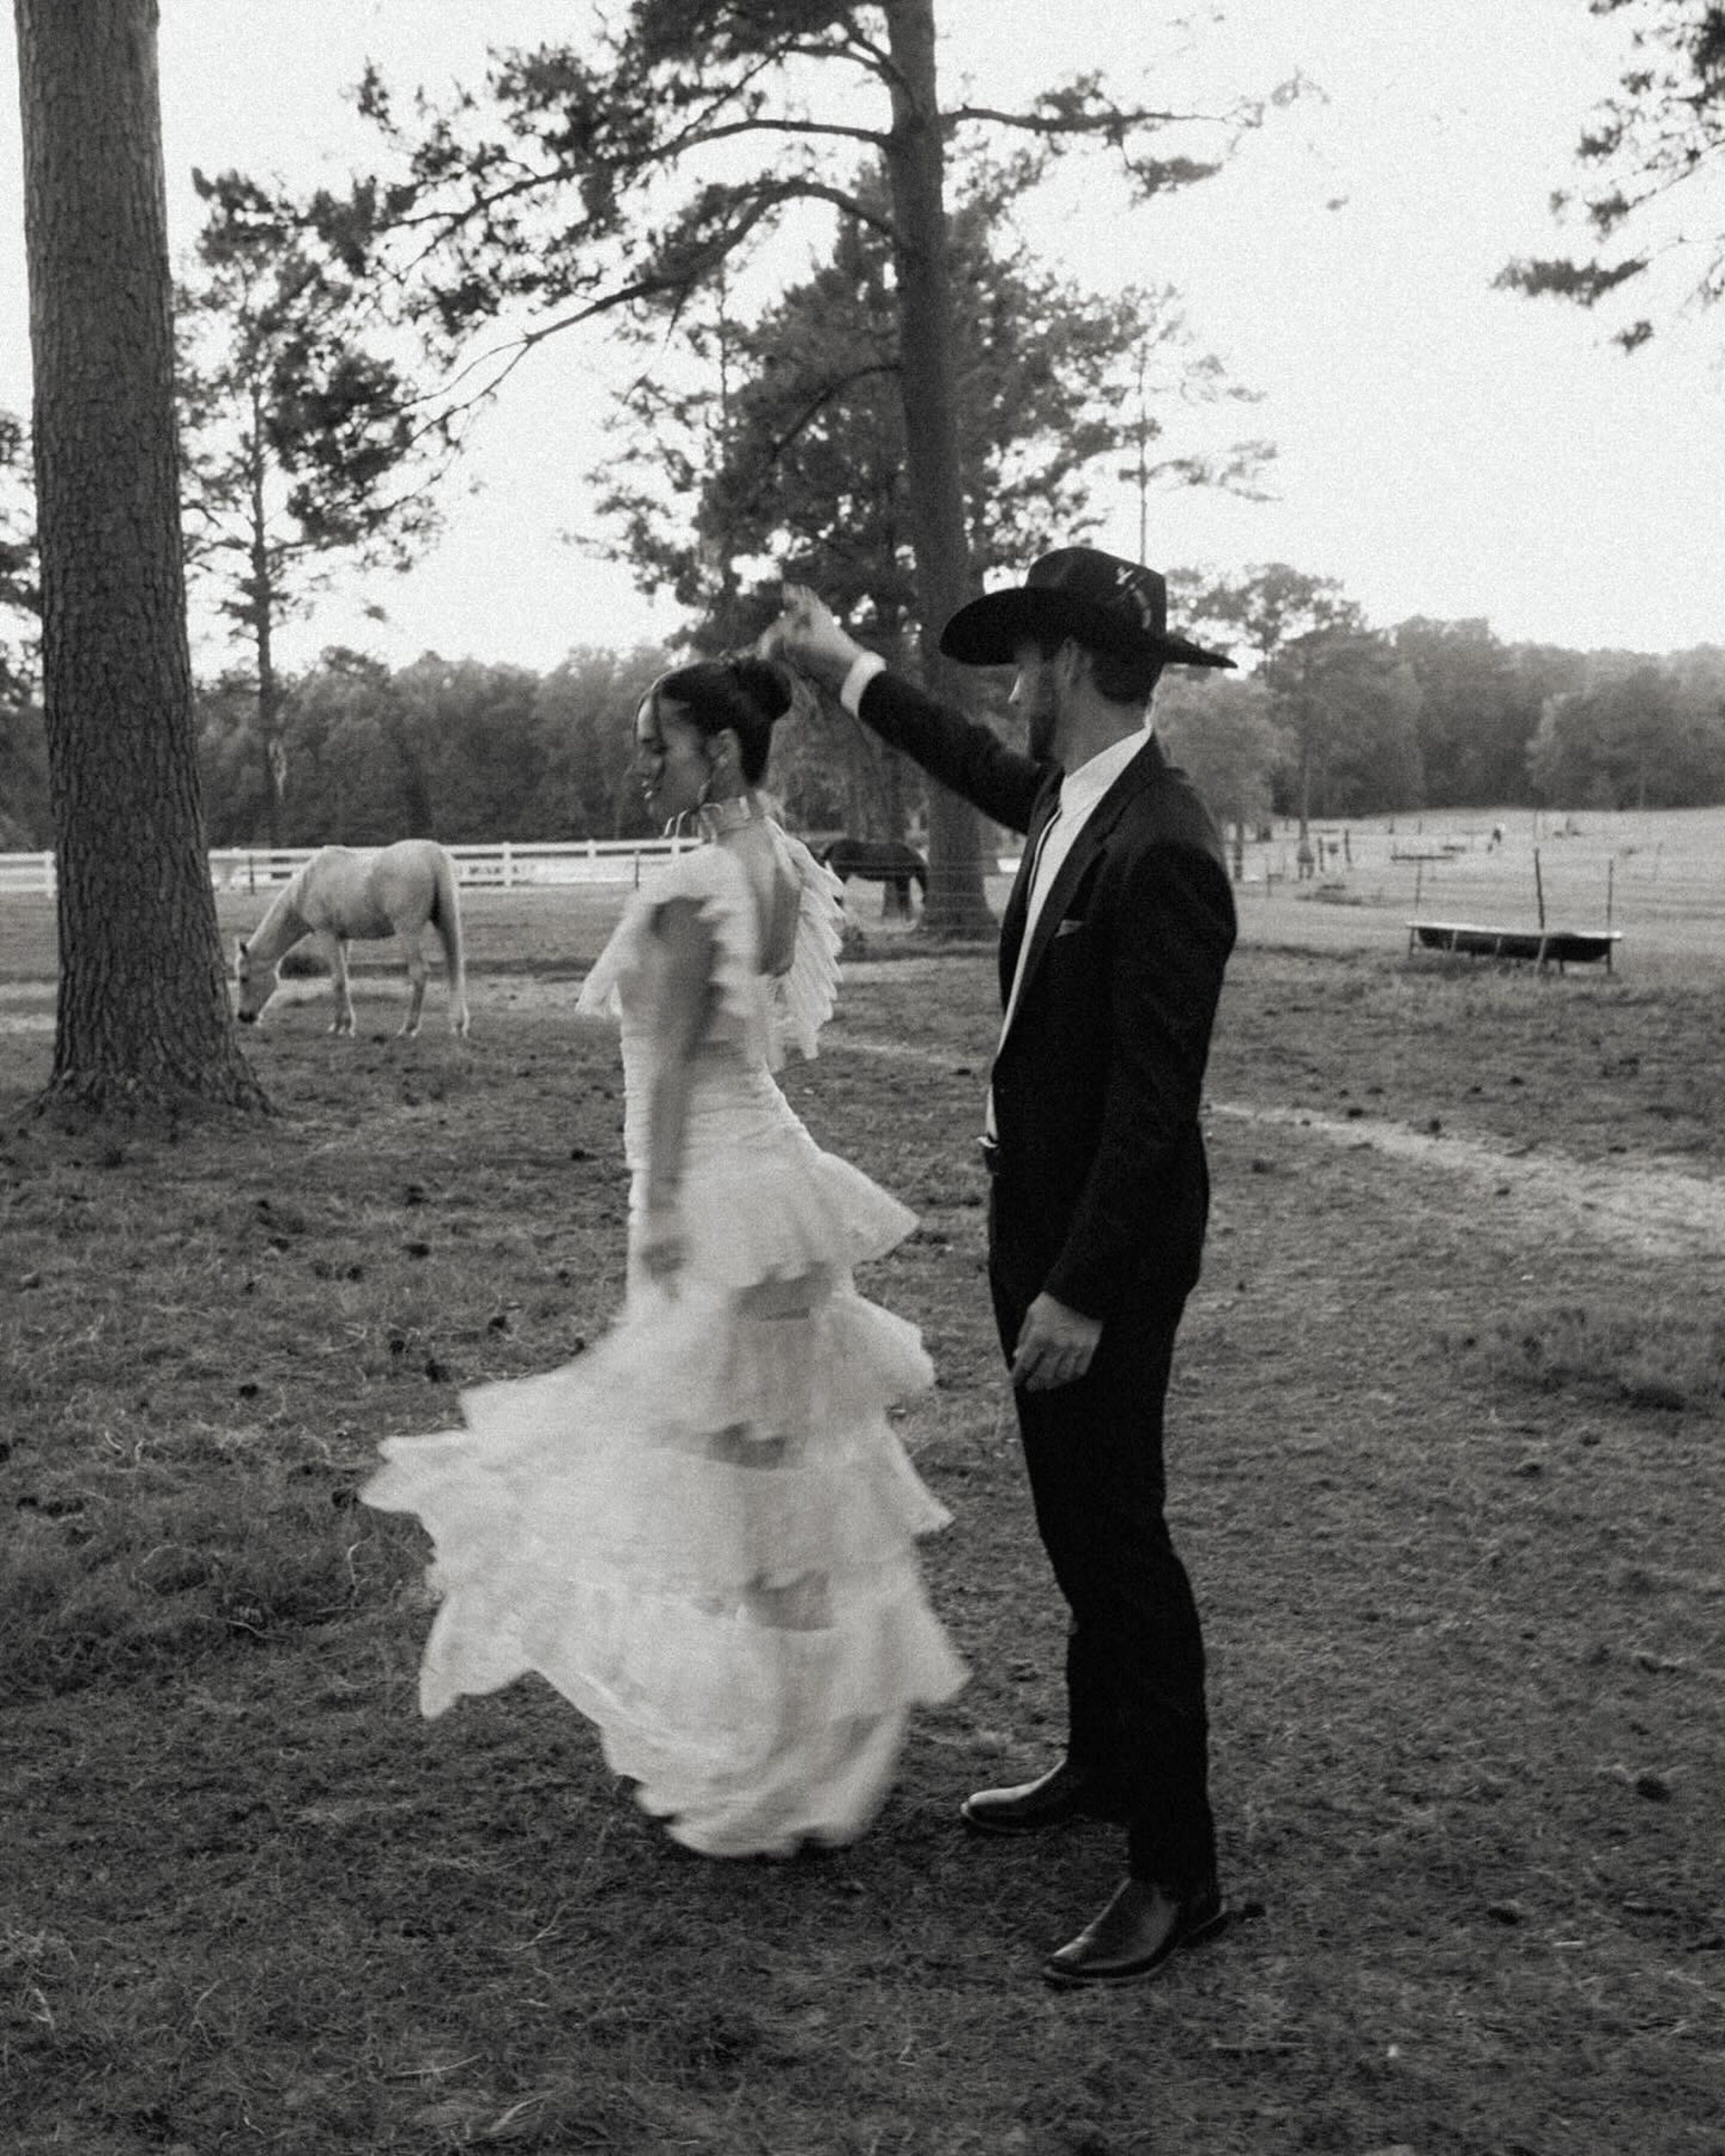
[966, 757]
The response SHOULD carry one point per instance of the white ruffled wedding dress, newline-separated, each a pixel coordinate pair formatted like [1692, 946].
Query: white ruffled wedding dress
[702, 1531]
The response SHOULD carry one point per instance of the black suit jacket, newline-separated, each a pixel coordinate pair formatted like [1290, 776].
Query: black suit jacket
[1101, 1192]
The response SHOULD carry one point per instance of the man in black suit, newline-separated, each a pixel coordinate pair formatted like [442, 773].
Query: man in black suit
[1113, 945]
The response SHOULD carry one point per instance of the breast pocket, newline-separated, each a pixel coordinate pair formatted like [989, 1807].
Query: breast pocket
[1071, 994]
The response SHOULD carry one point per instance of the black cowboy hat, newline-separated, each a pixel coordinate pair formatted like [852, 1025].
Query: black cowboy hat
[1097, 599]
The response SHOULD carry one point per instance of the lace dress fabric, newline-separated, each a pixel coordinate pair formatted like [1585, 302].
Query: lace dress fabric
[702, 1531]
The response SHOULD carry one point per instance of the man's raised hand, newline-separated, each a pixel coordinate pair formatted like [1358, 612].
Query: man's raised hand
[806, 636]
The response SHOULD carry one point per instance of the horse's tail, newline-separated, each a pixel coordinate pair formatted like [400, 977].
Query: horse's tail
[446, 918]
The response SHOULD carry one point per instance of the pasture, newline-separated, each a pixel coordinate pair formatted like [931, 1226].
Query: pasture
[1446, 1458]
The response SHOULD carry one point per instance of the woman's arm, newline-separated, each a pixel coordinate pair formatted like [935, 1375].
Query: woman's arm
[679, 1022]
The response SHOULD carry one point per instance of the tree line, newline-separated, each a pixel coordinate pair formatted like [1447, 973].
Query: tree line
[1428, 714]
[1337, 720]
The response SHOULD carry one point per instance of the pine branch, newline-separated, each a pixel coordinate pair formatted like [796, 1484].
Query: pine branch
[1065, 117]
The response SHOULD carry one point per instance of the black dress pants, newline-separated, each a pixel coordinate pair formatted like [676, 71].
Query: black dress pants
[1135, 1651]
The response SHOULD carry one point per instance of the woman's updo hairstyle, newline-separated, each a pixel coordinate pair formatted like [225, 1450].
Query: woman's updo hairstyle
[745, 693]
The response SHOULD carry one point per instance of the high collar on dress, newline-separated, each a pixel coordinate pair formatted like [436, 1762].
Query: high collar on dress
[729, 815]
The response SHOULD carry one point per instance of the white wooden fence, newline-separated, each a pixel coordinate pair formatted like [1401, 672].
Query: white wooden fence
[501, 866]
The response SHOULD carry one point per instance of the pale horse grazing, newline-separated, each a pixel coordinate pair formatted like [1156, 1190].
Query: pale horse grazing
[341, 894]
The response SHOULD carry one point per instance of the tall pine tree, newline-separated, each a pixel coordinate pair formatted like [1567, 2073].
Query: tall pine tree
[143, 1019]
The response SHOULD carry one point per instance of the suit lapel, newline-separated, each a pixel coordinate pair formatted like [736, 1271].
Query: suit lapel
[1143, 771]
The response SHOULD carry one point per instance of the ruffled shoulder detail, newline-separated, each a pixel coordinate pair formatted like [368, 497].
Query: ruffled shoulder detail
[804, 997]
[708, 876]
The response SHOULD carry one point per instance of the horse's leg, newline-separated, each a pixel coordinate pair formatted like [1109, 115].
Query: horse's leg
[413, 955]
[335, 950]
[459, 1020]
[455, 978]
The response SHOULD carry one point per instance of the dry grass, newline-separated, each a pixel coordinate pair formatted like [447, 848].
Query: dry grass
[1672, 1361]
[1467, 1631]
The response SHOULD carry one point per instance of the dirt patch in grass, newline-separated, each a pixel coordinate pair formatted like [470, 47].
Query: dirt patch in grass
[1464, 1600]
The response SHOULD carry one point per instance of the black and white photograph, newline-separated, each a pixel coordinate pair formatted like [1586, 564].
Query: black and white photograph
[862, 1090]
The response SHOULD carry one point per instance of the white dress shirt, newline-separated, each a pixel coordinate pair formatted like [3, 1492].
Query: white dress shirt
[1080, 792]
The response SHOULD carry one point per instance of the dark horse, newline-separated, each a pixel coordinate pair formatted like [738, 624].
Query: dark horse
[886, 861]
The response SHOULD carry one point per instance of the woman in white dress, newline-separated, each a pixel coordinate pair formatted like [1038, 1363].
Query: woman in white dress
[702, 1531]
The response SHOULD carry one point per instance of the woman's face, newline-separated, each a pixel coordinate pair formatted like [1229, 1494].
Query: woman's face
[671, 759]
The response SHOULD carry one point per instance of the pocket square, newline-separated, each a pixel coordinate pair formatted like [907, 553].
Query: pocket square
[1067, 928]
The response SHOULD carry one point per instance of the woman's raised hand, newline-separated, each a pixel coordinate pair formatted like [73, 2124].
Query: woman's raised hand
[807, 636]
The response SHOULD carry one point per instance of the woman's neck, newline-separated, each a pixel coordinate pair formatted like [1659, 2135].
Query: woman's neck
[733, 814]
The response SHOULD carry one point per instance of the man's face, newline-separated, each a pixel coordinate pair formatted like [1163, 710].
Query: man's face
[1036, 695]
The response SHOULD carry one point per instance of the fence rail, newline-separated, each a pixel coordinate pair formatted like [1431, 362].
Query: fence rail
[26, 872]
[500, 867]
[1646, 887]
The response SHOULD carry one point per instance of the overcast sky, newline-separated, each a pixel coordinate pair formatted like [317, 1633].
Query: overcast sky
[1445, 448]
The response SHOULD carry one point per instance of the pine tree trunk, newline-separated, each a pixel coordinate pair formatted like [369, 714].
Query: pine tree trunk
[914, 168]
[260, 597]
[144, 1020]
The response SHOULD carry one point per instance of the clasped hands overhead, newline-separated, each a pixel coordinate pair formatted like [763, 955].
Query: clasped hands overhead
[807, 635]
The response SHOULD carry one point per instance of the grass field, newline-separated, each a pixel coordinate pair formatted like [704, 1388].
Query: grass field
[1446, 1463]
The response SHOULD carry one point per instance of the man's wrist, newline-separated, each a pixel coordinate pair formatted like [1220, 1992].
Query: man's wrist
[863, 669]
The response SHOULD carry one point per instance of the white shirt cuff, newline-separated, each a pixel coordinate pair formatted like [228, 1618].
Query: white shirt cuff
[863, 668]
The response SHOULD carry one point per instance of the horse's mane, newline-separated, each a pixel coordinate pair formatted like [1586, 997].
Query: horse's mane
[284, 909]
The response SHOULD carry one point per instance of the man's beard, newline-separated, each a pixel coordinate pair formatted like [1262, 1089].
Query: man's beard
[1043, 724]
